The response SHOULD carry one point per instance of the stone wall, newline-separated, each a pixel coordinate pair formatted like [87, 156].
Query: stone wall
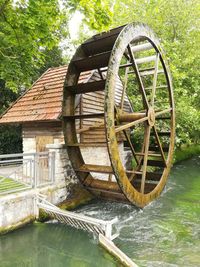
[63, 168]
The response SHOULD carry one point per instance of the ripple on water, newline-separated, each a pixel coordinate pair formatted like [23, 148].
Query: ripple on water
[167, 232]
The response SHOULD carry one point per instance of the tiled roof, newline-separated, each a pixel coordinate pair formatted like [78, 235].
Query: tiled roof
[43, 101]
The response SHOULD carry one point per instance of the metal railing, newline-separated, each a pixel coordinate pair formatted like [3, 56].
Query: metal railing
[79, 221]
[26, 170]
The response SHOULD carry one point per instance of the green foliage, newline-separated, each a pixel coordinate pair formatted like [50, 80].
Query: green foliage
[28, 28]
[178, 26]
[52, 58]
[10, 135]
[186, 152]
[6, 96]
[97, 13]
[10, 139]
[29, 36]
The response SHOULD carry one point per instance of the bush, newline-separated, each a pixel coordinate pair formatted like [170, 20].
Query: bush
[10, 139]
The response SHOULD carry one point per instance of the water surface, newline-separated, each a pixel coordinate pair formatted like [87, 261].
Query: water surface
[166, 233]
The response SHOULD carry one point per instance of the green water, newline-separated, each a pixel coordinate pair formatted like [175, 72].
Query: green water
[166, 233]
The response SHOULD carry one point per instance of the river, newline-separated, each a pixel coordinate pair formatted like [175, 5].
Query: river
[166, 233]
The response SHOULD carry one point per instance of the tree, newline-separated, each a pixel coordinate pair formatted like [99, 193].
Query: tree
[51, 58]
[27, 29]
[10, 136]
[97, 13]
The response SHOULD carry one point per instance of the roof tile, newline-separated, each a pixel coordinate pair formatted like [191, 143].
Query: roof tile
[43, 101]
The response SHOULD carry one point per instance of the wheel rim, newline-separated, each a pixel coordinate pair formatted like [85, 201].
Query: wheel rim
[136, 191]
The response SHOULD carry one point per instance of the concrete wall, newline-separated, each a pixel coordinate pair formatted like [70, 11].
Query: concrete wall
[18, 209]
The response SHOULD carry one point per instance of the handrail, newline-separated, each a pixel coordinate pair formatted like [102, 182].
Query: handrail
[30, 169]
[2, 156]
[80, 221]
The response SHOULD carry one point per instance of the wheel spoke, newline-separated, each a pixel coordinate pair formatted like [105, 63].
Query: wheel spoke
[124, 88]
[131, 146]
[155, 77]
[145, 159]
[159, 144]
[162, 112]
[130, 124]
[141, 86]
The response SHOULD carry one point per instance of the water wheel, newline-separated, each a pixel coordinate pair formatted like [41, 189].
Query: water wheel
[132, 54]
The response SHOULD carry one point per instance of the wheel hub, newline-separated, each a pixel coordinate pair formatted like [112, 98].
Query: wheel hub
[151, 116]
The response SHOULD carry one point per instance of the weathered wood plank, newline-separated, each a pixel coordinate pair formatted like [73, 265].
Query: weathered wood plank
[94, 62]
[87, 87]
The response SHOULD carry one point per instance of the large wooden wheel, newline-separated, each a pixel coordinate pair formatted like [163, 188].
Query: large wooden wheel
[132, 54]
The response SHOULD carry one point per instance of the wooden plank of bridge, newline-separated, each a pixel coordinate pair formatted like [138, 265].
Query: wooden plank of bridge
[115, 251]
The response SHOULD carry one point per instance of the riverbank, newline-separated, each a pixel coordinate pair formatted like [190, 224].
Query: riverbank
[186, 152]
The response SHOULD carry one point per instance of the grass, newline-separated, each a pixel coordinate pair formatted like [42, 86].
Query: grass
[186, 152]
[7, 184]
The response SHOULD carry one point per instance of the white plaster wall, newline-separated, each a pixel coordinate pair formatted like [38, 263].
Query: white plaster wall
[100, 156]
[29, 145]
[96, 156]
